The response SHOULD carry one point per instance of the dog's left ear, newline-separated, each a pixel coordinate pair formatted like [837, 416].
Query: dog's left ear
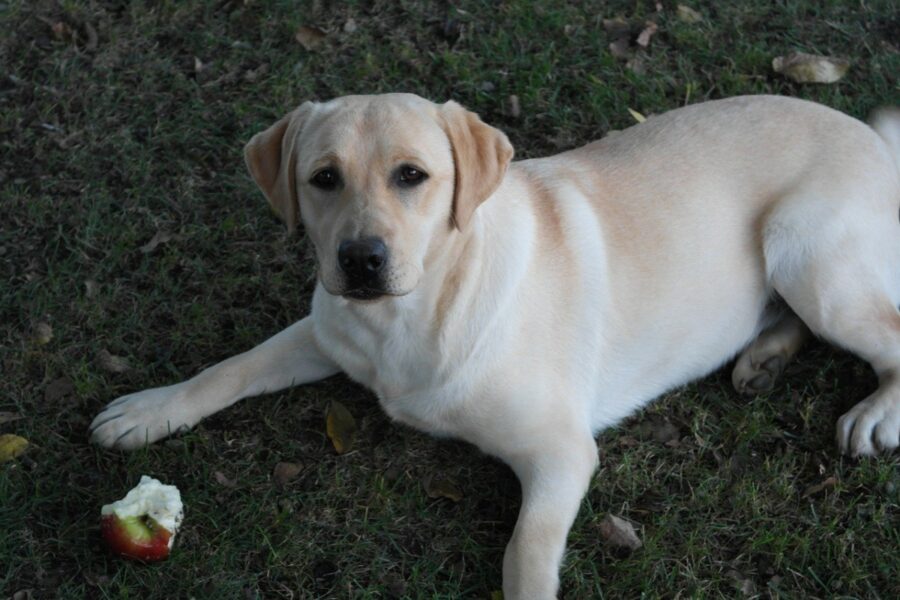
[481, 154]
[271, 160]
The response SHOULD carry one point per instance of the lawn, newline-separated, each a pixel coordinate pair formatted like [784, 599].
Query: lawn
[130, 229]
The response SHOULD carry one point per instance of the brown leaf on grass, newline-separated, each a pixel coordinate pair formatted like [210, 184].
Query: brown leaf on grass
[643, 38]
[665, 433]
[111, 362]
[617, 27]
[350, 26]
[286, 471]
[658, 430]
[58, 388]
[636, 65]
[90, 289]
[620, 48]
[340, 427]
[91, 35]
[809, 68]
[62, 32]
[43, 333]
[438, 486]
[160, 237]
[619, 533]
[9, 417]
[11, 446]
[513, 107]
[309, 37]
[628, 441]
[223, 480]
[688, 14]
[820, 487]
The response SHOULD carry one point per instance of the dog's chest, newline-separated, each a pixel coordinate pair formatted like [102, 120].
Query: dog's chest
[386, 353]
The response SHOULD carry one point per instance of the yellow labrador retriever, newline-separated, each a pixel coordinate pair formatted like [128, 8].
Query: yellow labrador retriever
[526, 306]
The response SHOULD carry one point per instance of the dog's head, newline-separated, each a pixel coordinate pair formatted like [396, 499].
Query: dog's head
[379, 183]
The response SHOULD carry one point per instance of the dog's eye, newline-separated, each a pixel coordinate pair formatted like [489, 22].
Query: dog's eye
[326, 179]
[408, 176]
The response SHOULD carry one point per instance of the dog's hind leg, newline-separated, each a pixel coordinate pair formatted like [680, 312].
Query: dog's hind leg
[836, 262]
[760, 364]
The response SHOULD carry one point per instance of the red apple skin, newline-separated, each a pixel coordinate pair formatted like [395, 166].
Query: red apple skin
[134, 539]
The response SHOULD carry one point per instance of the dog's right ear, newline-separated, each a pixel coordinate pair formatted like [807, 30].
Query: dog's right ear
[271, 159]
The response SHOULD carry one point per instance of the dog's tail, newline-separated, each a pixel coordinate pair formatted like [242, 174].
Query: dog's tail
[886, 123]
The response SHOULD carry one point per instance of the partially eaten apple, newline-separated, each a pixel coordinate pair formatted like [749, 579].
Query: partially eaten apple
[143, 524]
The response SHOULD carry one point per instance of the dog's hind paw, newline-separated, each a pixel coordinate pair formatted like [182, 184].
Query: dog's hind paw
[751, 378]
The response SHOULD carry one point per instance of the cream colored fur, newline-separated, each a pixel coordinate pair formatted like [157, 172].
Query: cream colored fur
[530, 305]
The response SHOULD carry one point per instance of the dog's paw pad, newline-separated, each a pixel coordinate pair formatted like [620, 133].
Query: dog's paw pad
[752, 378]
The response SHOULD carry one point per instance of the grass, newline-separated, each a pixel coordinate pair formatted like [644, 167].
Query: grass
[106, 144]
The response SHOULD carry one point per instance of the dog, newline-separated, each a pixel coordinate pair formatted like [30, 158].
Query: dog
[525, 306]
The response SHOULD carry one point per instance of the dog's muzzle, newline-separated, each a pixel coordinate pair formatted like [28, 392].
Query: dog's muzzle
[364, 263]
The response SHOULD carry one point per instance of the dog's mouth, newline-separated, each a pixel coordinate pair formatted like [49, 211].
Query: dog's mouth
[364, 294]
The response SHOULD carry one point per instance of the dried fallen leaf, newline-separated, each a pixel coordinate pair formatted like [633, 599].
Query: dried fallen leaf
[628, 441]
[808, 68]
[11, 446]
[286, 471]
[309, 37]
[90, 289]
[9, 417]
[620, 48]
[223, 480]
[636, 65]
[617, 27]
[513, 107]
[438, 486]
[62, 31]
[160, 237]
[340, 426]
[643, 38]
[43, 333]
[350, 26]
[619, 533]
[688, 14]
[198, 65]
[637, 116]
[665, 433]
[58, 388]
[820, 487]
[92, 39]
[112, 363]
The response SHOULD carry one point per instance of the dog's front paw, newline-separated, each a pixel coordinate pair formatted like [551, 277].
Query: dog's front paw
[871, 427]
[139, 419]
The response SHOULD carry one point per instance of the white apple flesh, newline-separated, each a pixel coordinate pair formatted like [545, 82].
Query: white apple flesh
[142, 525]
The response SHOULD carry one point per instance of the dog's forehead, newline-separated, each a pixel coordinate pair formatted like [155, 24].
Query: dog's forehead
[387, 124]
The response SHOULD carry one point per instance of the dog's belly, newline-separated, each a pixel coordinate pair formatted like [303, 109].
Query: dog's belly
[656, 359]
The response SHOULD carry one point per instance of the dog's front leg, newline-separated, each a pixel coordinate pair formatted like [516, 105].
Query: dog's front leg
[289, 358]
[555, 476]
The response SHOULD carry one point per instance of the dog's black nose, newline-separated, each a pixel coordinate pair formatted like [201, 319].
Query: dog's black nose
[363, 260]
